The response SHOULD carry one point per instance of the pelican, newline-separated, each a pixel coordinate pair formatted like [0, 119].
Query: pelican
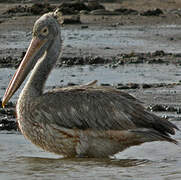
[79, 121]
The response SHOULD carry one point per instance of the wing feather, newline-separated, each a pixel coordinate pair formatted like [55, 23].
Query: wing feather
[97, 108]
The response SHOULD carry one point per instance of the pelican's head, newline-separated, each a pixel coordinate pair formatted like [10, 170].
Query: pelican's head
[45, 31]
[46, 28]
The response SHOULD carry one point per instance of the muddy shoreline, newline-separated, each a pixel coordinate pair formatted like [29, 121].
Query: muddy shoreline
[157, 57]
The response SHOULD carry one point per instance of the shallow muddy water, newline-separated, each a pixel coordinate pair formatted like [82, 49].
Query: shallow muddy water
[22, 160]
[159, 160]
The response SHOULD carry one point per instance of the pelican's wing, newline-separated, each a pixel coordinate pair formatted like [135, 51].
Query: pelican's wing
[96, 108]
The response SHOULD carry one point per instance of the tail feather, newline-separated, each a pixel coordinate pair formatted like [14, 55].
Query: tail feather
[149, 135]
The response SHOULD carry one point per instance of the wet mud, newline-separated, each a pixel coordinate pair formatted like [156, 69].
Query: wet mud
[157, 57]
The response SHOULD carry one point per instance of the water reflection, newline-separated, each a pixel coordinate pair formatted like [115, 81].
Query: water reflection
[88, 162]
[20, 160]
[78, 168]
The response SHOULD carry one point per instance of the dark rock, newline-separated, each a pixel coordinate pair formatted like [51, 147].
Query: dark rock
[128, 86]
[125, 11]
[2, 111]
[107, 47]
[145, 86]
[105, 84]
[159, 53]
[71, 84]
[74, 19]
[7, 111]
[8, 125]
[72, 7]
[167, 108]
[171, 109]
[157, 107]
[156, 61]
[79, 61]
[94, 5]
[41, 8]
[178, 110]
[84, 27]
[23, 54]
[96, 60]
[6, 61]
[155, 12]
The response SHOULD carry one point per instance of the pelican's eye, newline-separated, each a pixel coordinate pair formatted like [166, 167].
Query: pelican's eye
[44, 31]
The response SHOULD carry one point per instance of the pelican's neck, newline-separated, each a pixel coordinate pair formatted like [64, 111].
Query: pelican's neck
[35, 84]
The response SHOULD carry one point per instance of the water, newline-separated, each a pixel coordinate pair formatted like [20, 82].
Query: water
[22, 160]
[19, 159]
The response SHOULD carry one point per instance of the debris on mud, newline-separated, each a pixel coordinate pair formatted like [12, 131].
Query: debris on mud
[82, 60]
[164, 108]
[157, 57]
